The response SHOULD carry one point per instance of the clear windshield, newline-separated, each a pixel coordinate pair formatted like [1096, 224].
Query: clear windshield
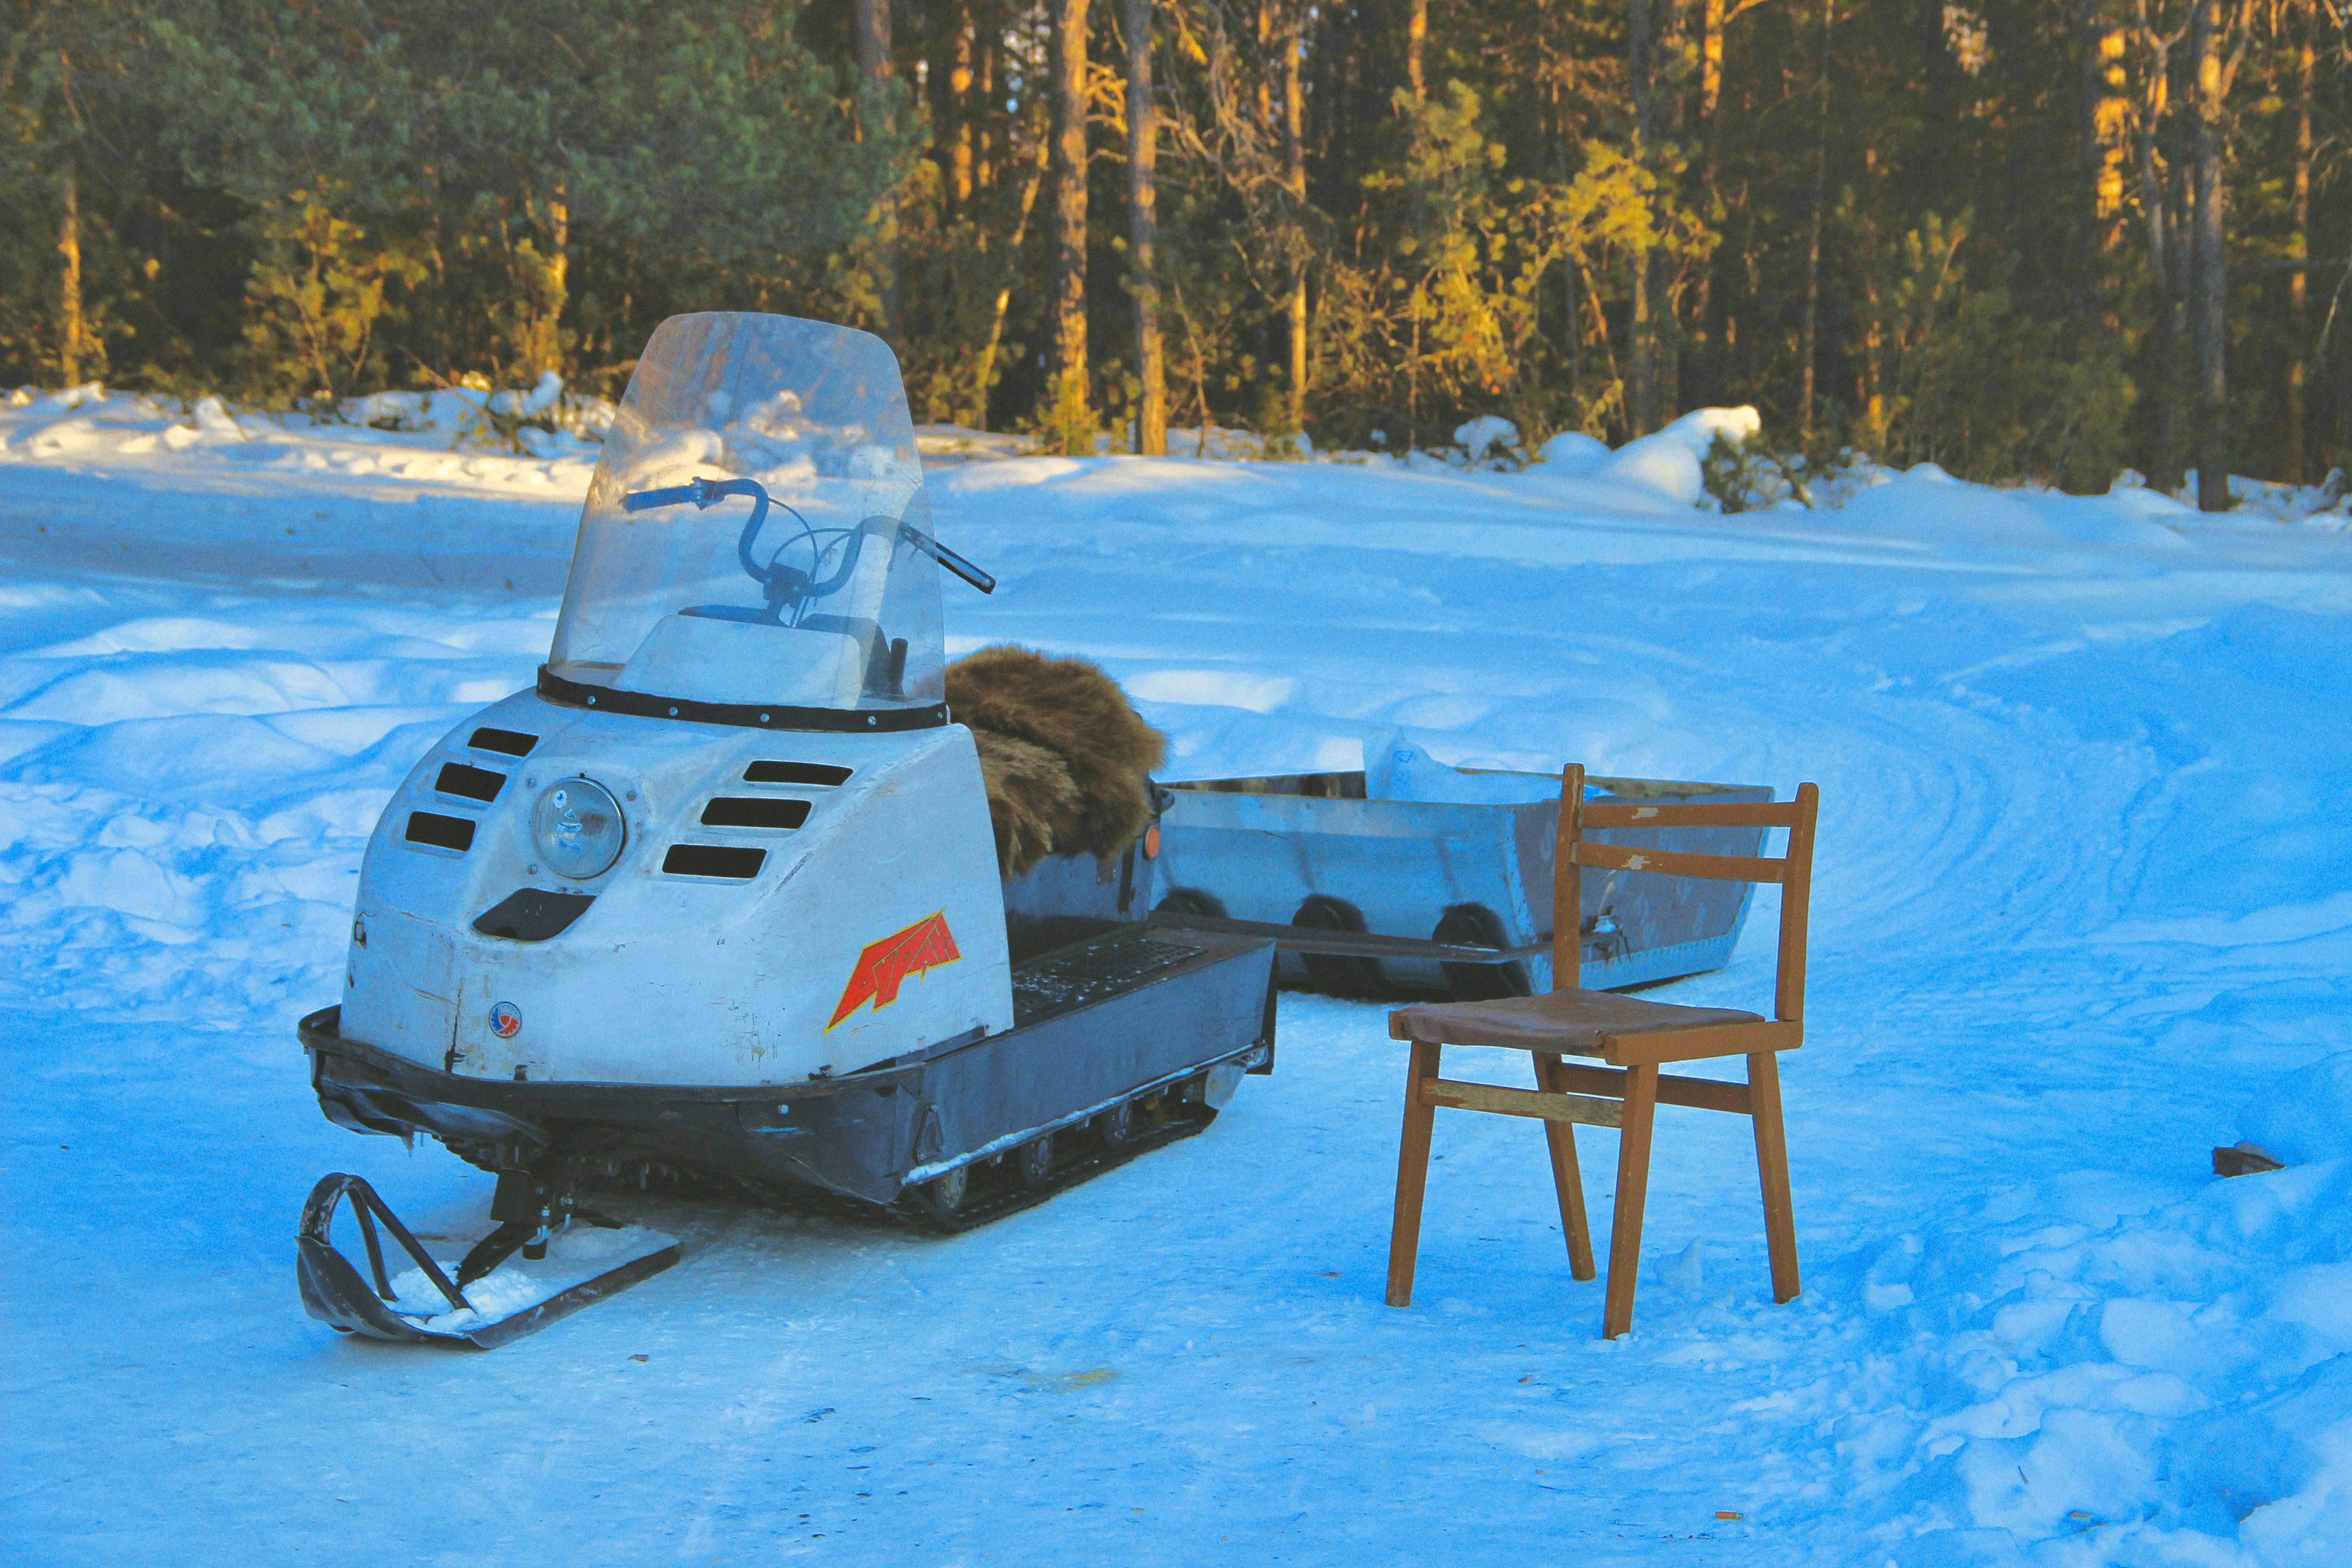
[812, 584]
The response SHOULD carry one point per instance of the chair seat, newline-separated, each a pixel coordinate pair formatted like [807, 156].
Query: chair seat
[1578, 1023]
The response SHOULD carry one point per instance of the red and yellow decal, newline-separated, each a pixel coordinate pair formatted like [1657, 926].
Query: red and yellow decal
[920, 948]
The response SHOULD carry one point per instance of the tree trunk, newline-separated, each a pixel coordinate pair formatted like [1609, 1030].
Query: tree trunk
[2107, 116]
[559, 279]
[959, 99]
[1575, 342]
[1416, 39]
[872, 23]
[1294, 151]
[1637, 350]
[1143, 231]
[988, 148]
[73, 344]
[2298, 303]
[1710, 57]
[2166, 263]
[1639, 392]
[2209, 305]
[1666, 118]
[1068, 420]
[1706, 344]
[2173, 456]
[1638, 36]
[1004, 290]
[1809, 351]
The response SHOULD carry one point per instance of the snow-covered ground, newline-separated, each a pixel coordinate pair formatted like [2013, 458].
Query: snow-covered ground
[2081, 914]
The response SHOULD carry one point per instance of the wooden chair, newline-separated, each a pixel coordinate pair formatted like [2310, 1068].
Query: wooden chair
[1632, 1035]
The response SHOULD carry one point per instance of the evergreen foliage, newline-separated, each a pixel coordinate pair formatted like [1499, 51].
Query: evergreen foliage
[1966, 233]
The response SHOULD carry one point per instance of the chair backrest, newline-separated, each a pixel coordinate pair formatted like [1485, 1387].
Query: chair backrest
[1794, 870]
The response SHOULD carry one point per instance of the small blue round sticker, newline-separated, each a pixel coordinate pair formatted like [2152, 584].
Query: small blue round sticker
[506, 1020]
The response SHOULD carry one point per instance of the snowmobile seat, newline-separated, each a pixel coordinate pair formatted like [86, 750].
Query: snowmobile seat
[1633, 1036]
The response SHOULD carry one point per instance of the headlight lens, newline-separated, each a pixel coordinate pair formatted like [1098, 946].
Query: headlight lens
[578, 827]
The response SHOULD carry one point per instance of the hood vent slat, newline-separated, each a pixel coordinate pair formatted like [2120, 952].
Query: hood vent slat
[755, 811]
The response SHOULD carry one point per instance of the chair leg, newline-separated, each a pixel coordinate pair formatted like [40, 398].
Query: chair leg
[1566, 1179]
[1633, 1188]
[1772, 1169]
[1413, 1175]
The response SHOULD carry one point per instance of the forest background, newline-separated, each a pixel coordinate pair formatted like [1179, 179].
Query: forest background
[2024, 239]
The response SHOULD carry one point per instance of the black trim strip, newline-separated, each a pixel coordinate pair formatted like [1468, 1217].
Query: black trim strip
[322, 1036]
[1348, 944]
[742, 715]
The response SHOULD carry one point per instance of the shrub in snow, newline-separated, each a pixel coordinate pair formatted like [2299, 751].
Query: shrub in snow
[1744, 473]
[1700, 427]
[1484, 434]
[523, 404]
[212, 421]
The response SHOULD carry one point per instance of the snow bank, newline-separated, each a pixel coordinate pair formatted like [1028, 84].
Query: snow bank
[441, 439]
[2305, 1115]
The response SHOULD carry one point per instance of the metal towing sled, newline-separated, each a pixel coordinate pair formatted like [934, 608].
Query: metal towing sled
[720, 895]
[1391, 898]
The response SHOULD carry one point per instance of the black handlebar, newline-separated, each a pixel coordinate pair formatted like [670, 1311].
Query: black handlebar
[787, 586]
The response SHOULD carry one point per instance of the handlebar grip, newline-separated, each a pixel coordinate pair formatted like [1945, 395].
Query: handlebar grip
[645, 501]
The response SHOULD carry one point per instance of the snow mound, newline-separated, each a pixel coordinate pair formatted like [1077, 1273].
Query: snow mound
[2305, 1115]
[1663, 463]
[1667, 460]
[1572, 453]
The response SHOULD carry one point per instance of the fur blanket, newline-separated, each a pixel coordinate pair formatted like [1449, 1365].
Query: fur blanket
[1065, 759]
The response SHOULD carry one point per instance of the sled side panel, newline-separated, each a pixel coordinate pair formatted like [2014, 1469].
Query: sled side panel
[1260, 850]
[1201, 999]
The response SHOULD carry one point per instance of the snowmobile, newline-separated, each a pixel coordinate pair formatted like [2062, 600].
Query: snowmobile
[720, 894]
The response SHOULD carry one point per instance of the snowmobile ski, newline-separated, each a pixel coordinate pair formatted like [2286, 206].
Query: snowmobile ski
[337, 1294]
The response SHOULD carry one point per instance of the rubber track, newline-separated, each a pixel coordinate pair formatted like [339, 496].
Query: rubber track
[1002, 1194]
[1006, 1194]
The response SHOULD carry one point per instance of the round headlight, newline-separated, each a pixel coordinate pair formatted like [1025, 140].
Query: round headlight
[578, 827]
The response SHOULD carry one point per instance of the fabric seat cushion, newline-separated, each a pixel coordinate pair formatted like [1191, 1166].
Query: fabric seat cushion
[1575, 1022]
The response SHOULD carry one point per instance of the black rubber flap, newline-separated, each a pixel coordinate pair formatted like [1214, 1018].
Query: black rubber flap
[532, 914]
